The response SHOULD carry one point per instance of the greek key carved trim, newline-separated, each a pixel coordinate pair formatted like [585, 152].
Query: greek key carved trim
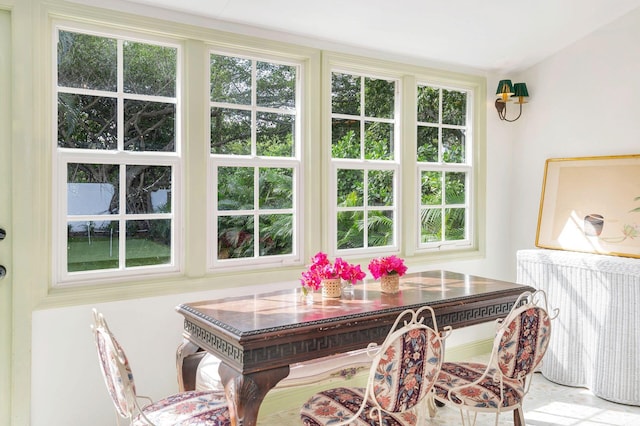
[212, 341]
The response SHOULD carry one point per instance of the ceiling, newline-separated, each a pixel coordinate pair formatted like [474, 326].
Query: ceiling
[487, 35]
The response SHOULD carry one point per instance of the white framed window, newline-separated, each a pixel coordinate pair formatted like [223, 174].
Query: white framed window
[118, 155]
[286, 136]
[255, 161]
[445, 166]
[365, 162]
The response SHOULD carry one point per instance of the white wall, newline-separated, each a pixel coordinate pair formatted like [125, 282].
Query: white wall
[67, 386]
[583, 103]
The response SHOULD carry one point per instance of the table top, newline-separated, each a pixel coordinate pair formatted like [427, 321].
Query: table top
[284, 310]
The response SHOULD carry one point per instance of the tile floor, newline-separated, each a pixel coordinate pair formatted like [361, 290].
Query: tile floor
[547, 404]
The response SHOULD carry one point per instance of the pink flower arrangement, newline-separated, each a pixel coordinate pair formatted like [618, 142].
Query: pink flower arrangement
[390, 265]
[321, 268]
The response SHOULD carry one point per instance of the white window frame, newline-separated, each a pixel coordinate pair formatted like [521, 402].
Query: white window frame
[255, 161]
[364, 164]
[408, 204]
[468, 167]
[64, 156]
[193, 264]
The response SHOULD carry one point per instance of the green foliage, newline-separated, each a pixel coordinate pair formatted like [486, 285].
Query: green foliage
[379, 98]
[442, 189]
[141, 60]
[235, 237]
[454, 107]
[87, 61]
[434, 213]
[274, 84]
[345, 94]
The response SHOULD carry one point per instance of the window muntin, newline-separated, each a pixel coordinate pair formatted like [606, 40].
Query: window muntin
[444, 165]
[117, 151]
[255, 159]
[364, 160]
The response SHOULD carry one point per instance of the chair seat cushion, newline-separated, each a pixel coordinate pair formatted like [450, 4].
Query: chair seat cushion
[194, 408]
[339, 404]
[485, 394]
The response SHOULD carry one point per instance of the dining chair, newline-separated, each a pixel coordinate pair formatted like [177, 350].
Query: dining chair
[401, 377]
[192, 408]
[500, 385]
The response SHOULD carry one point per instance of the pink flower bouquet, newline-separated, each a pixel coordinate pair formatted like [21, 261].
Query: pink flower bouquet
[390, 265]
[321, 268]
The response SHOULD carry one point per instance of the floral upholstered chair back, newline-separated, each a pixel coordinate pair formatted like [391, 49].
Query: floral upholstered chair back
[406, 371]
[408, 364]
[523, 339]
[115, 368]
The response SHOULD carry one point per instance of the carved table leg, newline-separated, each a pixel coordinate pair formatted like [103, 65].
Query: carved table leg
[245, 392]
[187, 359]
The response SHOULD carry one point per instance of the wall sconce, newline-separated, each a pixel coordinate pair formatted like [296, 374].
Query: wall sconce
[506, 91]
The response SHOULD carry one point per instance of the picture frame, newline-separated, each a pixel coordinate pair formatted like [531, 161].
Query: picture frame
[592, 205]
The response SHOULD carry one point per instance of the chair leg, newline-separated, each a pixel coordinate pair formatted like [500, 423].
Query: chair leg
[518, 417]
[431, 405]
[471, 421]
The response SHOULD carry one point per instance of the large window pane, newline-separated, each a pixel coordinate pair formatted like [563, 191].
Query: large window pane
[235, 237]
[148, 242]
[431, 225]
[87, 61]
[276, 188]
[276, 86]
[454, 224]
[378, 141]
[92, 189]
[276, 234]
[87, 122]
[149, 69]
[274, 134]
[453, 146]
[230, 79]
[454, 107]
[455, 188]
[345, 138]
[345, 94]
[379, 96]
[431, 188]
[350, 230]
[380, 187]
[230, 131]
[350, 188]
[380, 228]
[235, 188]
[148, 189]
[428, 104]
[149, 126]
[428, 144]
[92, 245]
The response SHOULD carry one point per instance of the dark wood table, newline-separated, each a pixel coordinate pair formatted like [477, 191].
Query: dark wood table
[258, 336]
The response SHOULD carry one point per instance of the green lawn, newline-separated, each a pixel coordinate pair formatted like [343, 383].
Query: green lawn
[103, 254]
